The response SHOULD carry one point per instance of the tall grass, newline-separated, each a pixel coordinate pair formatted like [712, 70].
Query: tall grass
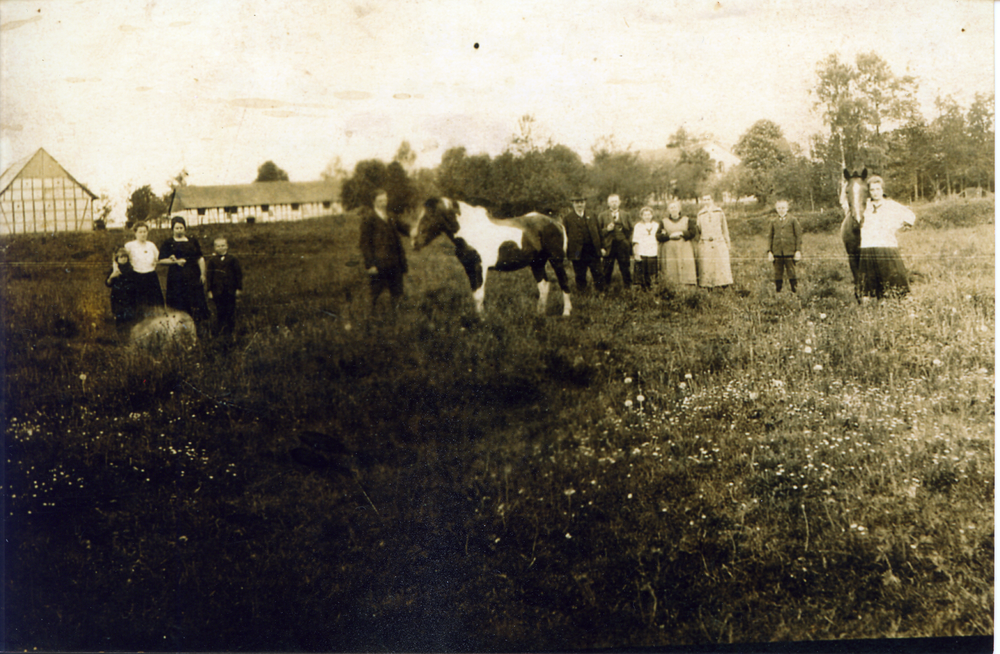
[659, 468]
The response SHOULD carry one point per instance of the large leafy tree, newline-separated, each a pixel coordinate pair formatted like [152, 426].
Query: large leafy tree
[269, 172]
[359, 189]
[614, 170]
[763, 149]
[144, 205]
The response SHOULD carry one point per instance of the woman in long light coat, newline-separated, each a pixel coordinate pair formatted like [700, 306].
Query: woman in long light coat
[713, 245]
[677, 265]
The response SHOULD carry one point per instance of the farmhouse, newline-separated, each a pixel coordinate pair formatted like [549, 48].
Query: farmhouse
[257, 202]
[38, 195]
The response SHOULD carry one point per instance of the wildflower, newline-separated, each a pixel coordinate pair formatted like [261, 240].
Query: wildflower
[347, 326]
[777, 383]
[682, 385]
[569, 491]
[628, 404]
[628, 380]
[937, 362]
[83, 377]
[818, 367]
[807, 350]
[822, 316]
[688, 376]
[641, 398]
[630, 495]
[567, 535]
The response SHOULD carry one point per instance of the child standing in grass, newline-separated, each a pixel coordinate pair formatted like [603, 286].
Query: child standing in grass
[123, 282]
[784, 246]
[224, 278]
[645, 247]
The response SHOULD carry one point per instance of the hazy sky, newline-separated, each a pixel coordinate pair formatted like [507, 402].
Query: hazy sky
[125, 93]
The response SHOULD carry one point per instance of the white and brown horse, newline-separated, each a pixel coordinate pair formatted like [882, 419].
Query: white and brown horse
[484, 243]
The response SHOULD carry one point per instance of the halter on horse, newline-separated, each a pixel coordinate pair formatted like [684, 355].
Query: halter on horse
[853, 196]
[484, 243]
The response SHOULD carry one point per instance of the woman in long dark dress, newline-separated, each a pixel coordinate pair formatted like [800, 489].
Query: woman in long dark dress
[185, 272]
[144, 256]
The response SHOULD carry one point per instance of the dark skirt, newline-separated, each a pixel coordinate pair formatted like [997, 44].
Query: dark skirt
[189, 297]
[148, 296]
[882, 272]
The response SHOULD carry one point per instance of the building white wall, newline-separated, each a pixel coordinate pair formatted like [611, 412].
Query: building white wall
[51, 204]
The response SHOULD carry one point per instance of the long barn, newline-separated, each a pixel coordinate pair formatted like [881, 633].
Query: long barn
[38, 195]
[261, 201]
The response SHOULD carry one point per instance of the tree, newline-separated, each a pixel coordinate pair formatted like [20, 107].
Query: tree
[859, 104]
[334, 171]
[406, 156]
[619, 171]
[269, 172]
[104, 208]
[981, 125]
[763, 149]
[359, 189]
[144, 205]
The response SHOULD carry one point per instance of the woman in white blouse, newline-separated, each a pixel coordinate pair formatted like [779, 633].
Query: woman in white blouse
[144, 256]
[881, 269]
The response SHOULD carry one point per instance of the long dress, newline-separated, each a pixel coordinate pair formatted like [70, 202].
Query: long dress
[713, 248]
[677, 256]
[881, 268]
[148, 296]
[185, 291]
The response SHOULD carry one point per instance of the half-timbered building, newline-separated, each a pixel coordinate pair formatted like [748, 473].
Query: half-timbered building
[257, 202]
[38, 195]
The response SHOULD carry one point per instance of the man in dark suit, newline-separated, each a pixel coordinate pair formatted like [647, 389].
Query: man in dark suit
[616, 231]
[382, 250]
[583, 245]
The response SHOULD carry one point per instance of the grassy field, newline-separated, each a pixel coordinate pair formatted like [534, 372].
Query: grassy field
[657, 469]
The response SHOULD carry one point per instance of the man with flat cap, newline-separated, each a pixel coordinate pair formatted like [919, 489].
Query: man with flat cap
[583, 244]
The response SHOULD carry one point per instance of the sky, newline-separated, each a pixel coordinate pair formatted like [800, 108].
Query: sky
[125, 93]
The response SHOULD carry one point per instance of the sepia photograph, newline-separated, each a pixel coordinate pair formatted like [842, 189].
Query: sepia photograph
[440, 326]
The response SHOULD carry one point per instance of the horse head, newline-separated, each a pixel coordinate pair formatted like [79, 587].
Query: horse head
[437, 216]
[854, 195]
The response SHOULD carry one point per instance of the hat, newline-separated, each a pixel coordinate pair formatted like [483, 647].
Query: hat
[578, 198]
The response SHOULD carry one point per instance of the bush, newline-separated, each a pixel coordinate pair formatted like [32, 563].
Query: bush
[957, 212]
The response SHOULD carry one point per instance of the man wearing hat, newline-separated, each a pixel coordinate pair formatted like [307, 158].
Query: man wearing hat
[583, 244]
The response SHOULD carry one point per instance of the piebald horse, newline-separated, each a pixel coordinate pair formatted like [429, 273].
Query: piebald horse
[484, 243]
[853, 197]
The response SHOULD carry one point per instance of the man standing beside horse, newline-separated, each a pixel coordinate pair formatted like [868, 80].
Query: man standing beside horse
[382, 249]
[583, 245]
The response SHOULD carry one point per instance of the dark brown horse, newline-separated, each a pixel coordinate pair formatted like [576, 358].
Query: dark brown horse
[853, 197]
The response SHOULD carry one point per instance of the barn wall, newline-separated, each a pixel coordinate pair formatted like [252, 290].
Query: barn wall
[51, 204]
[274, 213]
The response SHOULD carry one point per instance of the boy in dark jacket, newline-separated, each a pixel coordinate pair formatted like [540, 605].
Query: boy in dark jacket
[784, 246]
[122, 282]
[224, 278]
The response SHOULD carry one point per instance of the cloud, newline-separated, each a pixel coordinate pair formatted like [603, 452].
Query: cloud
[14, 24]
[12, 127]
[352, 95]
[128, 28]
[257, 103]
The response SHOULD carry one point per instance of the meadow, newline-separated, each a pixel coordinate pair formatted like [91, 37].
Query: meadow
[663, 468]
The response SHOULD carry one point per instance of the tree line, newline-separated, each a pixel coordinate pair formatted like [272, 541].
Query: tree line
[871, 119]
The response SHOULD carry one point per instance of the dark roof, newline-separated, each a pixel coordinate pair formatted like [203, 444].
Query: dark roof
[253, 195]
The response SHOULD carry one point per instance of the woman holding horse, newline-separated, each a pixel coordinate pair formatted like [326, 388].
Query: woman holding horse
[881, 268]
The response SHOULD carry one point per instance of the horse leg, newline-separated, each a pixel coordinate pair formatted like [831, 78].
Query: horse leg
[479, 294]
[559, 266]
[538, 270]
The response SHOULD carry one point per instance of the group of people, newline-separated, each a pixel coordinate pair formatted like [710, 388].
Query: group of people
[135, 286]
[675, 251]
